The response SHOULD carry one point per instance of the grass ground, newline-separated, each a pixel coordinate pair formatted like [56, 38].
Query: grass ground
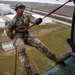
[54, 39]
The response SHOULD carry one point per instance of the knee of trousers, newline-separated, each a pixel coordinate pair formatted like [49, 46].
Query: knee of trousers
[25, 64]
[22, 51]
[39, 44]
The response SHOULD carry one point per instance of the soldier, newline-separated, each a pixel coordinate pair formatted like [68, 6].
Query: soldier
[20, 22]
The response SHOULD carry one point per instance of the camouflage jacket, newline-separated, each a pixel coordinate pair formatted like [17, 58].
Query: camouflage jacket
[20, 22]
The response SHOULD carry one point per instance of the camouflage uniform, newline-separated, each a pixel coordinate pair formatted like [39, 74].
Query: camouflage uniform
[20, 39]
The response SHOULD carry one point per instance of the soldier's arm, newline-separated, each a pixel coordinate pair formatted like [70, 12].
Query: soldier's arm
[33, 20]
[9, 29]
[12, 24]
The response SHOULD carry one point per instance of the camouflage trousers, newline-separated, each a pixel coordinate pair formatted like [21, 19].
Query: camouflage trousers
[31, 41]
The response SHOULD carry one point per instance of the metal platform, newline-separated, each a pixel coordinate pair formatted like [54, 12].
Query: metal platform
[66, 68]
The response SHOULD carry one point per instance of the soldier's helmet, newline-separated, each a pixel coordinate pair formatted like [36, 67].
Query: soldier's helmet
[19, 4]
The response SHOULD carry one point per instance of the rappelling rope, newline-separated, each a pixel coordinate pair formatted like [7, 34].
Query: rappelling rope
[15, 69]
[56, 9]
[15, 73]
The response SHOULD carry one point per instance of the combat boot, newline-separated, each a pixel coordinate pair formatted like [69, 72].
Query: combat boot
[64, 57]
[29, 71]
[60, 60]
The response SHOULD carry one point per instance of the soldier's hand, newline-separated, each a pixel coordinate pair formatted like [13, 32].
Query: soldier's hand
[38, 21]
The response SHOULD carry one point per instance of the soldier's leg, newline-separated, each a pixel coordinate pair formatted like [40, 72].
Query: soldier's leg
[19, 44]
[35, 42]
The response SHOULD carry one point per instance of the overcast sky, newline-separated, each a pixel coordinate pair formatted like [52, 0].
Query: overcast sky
[44, 1]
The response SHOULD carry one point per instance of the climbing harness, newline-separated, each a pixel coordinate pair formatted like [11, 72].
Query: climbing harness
[15, 73]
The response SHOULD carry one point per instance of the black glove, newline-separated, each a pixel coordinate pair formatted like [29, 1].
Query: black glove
[38, 21]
